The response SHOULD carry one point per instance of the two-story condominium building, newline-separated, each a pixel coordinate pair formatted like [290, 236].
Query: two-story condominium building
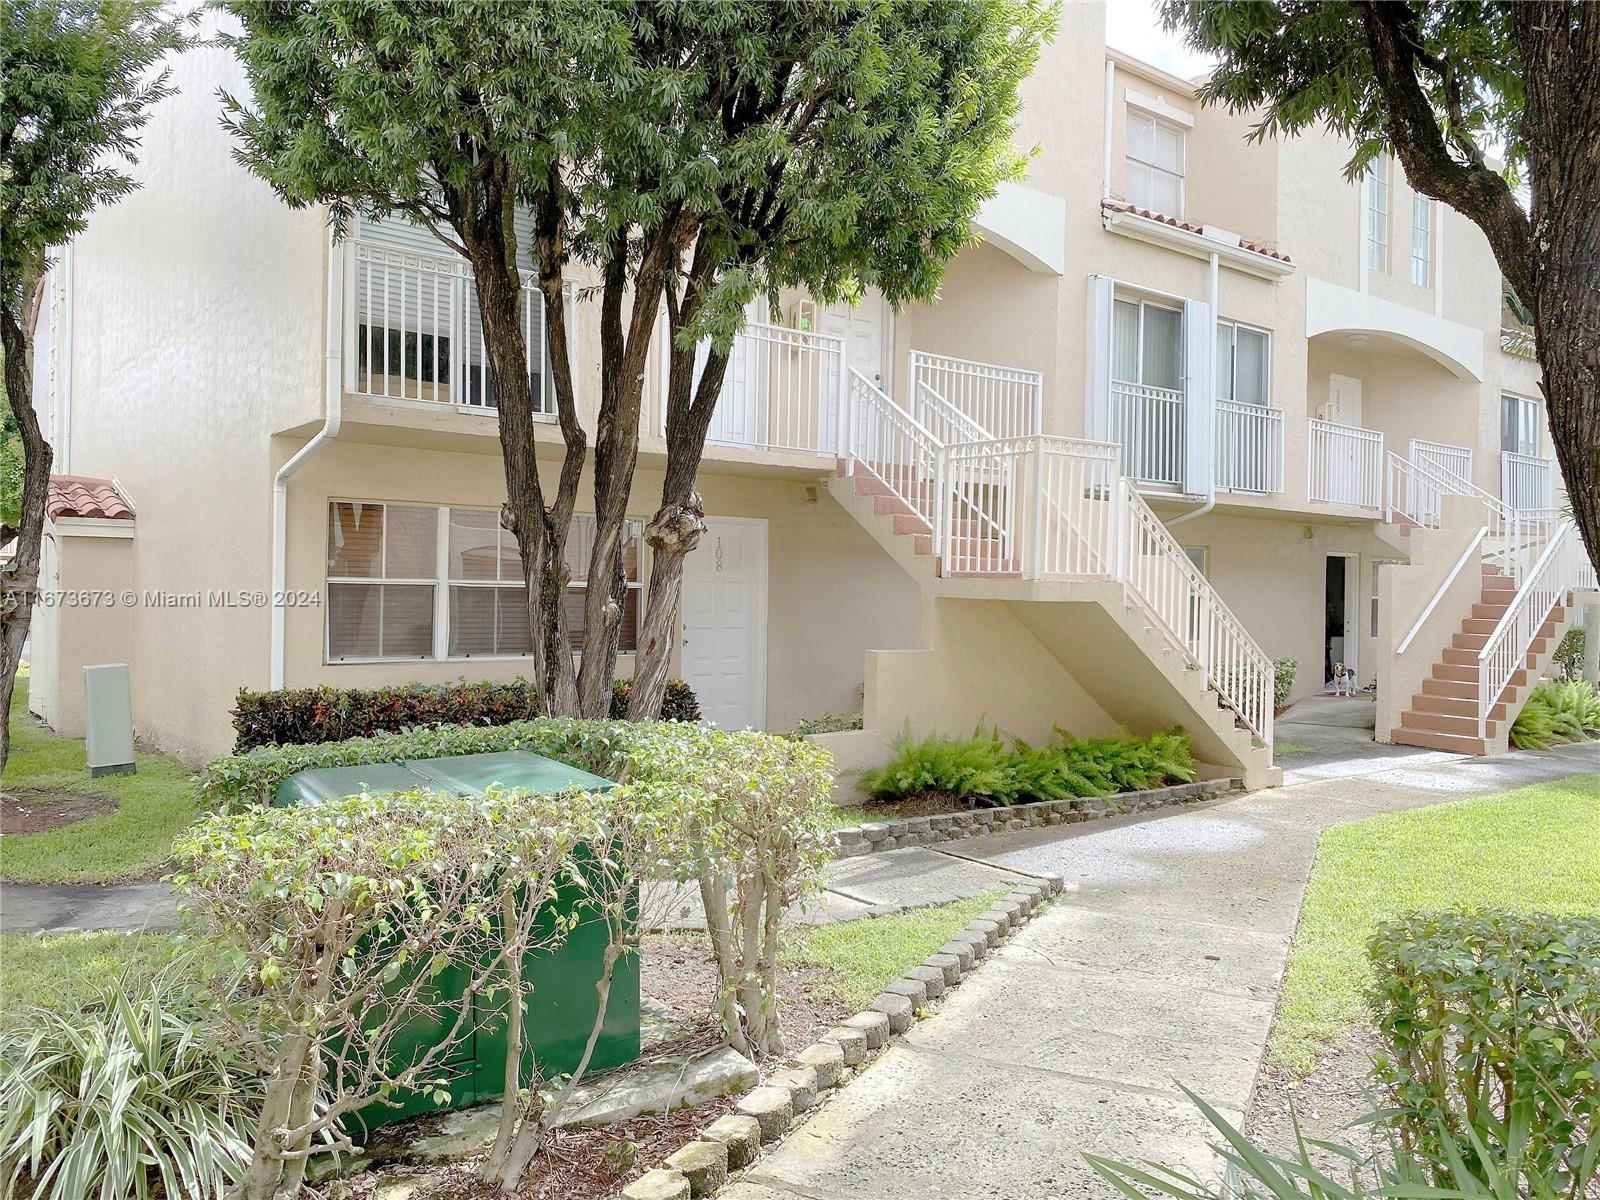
[1194, 403]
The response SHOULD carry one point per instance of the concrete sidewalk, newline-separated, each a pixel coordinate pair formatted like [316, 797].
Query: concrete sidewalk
[1160, 963]
[872, 885]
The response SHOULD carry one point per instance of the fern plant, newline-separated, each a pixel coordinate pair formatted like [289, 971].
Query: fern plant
[1557, 711]
[131, 1097]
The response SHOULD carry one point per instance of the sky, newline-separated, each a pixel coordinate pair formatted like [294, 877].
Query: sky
[1133, 26]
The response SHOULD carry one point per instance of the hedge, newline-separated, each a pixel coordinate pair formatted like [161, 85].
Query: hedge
[619, 750]
[300, 716]
[1490, 1032]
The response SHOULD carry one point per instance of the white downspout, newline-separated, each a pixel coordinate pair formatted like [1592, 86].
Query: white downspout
[332, 408]
[1111, 92]
[1211, 475]
[63, 430]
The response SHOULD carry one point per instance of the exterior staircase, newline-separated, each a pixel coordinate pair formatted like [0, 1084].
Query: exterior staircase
[1053, 595]
[1444, 714]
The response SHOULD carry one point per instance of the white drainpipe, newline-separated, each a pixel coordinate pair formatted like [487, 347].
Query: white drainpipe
[1211, 475]
[332, 408]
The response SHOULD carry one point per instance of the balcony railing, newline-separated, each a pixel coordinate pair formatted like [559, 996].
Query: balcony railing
[782, 391]
[1526, 481]
[1000, 401]
[1249, 448]
[413, 331]
[1344, 465]
[1147, 422]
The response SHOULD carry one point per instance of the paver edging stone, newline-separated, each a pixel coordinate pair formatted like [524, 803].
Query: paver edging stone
[896, 833]
[763, 1116]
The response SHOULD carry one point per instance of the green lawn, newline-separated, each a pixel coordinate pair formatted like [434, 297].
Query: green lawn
[1534, 849]
[1280, 748]
[863, 957]
[132, 842]
[65, 972]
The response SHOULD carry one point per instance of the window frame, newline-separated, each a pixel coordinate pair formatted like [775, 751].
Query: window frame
[1377, 186]
[442, 582]
[329, 581]
[1233, 363]
[1181, 174]
[1421, 247]
[1528, 408]
[1141, 303]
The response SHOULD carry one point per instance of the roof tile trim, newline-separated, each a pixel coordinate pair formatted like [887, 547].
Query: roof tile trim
[1188, 227]
[86, 496]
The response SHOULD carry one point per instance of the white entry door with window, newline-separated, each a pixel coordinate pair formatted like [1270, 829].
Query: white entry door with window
[725, 622]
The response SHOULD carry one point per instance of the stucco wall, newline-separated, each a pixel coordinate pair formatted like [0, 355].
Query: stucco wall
[88, 634]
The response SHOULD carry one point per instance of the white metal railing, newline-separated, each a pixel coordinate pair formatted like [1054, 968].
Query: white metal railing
[1526, 481]
[891, 445]
[1563, 566]
[1455, 459]
[1249, 447]
[941, 418]
[1147, 422]
[1513, 537]
[1038, 506]
[782, 390]
[1154, 568]
[413, 330]
[1001, 401]
[1344, 464]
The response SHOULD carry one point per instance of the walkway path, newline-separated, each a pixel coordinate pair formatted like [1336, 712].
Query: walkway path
[1160, 962]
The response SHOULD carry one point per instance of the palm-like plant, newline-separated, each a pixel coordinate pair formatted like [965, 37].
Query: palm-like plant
[135, 1097]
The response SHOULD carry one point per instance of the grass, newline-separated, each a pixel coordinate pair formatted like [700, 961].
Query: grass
[1531, 850]
[1280, 748]
[130, 843]
[844, 816]
[66, 972]
[863, 957]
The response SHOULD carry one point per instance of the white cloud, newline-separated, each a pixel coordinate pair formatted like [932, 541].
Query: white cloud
[1134, 27]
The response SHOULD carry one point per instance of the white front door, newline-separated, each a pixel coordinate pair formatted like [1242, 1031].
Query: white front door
[725, 622]
[1344, 401]
[865, 330]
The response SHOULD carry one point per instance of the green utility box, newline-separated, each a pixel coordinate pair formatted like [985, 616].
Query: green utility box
[561, 1008]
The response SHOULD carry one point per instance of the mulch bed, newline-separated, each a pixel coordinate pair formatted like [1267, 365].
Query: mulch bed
[678, 969]
[1333, 1094]
[927, 804]
[34, 810]
[578, 1164]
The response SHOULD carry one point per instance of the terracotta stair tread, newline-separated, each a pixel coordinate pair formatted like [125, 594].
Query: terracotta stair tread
[1428, 739]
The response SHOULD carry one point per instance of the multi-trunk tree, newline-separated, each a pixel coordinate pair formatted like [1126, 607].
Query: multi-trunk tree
[77, 81]
[676, 158]
[1444, 86]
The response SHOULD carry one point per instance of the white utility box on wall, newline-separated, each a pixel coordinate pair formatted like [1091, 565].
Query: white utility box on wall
[108, 719]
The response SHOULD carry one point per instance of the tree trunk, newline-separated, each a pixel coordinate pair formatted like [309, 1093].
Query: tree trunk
[1560, 50]
[675, 529]
[20, 584]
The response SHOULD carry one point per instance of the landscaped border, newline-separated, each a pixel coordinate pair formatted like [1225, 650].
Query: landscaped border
[762, 1116]
[949, 827]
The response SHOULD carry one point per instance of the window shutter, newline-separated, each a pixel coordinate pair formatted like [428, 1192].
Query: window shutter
[1199, 398]
[1097, 373]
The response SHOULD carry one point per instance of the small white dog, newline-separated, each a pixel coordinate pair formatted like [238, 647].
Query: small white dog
[1344, 683]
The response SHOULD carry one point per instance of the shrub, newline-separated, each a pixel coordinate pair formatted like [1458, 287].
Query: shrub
[828, 723]
[1569, 654]
[985, 769]
[132, 1096]
[1557, 711]
[306, 716]
[1283, 673]
[678, 703]
[1490, 1026]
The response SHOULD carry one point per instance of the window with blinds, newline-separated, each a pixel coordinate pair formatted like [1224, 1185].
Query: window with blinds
[386, 578]
[1154, 165]
[1377, 202]
[382, 568]
[1244, 360]
[1147, 344]
[1421, 238]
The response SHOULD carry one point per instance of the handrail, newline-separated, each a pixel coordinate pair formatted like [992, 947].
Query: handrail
[1466, 556]
[1000, 400]
[1538, 596]
[894, 447]
[946, 411]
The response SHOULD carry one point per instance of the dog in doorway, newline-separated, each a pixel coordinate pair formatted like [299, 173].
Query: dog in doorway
[1344, 683]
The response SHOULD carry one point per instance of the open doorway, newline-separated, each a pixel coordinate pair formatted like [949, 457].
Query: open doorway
[1341, 631]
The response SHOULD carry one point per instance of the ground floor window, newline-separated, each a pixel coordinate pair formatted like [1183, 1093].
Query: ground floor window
[430, 581]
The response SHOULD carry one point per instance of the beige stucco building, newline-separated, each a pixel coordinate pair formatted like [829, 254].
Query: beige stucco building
[1168, 421]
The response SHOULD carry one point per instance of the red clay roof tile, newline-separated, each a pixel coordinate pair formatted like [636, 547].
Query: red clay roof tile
[85, 496]
[1187, 227]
